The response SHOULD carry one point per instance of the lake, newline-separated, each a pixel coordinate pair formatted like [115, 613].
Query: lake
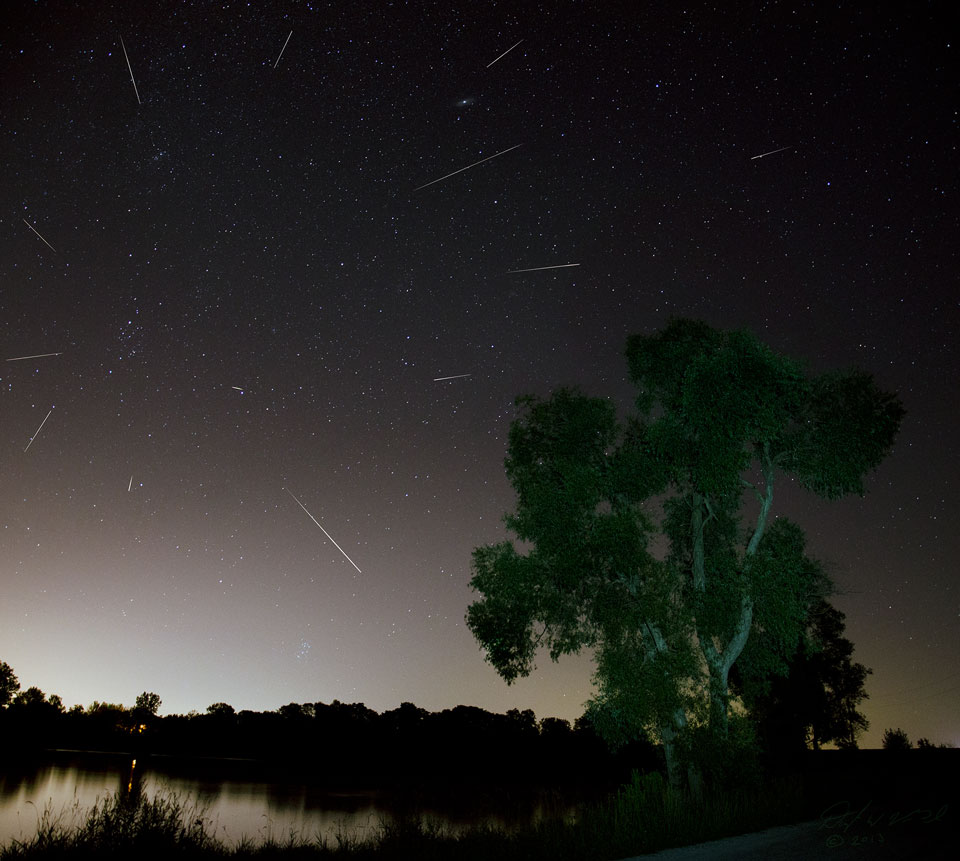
[240, 800]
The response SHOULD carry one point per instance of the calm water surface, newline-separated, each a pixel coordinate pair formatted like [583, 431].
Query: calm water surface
[237, 807]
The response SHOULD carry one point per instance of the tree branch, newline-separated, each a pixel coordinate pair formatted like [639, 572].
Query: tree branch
[766, 501]
[699, 556]
[739, 639]
[753, 487]
[709, 650]
[710, 511]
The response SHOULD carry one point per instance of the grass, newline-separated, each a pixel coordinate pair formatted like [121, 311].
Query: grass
[643, 816]
[120, 826]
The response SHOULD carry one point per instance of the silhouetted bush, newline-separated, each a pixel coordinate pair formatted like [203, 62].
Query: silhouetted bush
[895, 739]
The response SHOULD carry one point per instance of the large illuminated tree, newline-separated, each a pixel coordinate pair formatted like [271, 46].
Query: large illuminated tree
[720, 418]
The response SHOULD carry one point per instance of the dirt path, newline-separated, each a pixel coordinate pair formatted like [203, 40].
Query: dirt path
[915, 834]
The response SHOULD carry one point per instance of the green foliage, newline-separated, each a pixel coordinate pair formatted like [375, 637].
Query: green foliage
[842, 432]
[648, 815]
[637, 685]
[785, 584]
[589, 579]
[504, 622]
[717, 395]
[724, 761]
[817, 700]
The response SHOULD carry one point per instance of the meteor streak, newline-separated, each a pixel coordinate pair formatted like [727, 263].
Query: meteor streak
[132, 81]
[504, 54]
[34, 229]
[454, 377]
[314, 519]
[38, 429]
[284, 48]
[130, 484]
[538, 268]
[37, 356]
[462, 169]
[770, 153]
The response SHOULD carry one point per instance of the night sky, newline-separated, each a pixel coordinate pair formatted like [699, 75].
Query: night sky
[256, 283]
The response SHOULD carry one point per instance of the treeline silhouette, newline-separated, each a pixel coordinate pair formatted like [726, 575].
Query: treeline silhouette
[340, 742]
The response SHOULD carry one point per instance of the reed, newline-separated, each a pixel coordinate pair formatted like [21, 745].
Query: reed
[645, 815]
[120, 825]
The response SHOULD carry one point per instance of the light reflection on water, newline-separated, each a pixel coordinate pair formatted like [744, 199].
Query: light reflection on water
[233, 807]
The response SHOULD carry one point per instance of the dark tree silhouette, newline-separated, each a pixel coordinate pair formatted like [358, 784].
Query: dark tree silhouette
[32, 698]
[895, 739]
[718, 415]
[342, 741]
[144, 712]
[296, 711]
[31, 717]
[148, 704]
[107, 719]
[221, 710]
[9, 684]
[35, 700]
[840, 721]
[926, 744]
[816, 703]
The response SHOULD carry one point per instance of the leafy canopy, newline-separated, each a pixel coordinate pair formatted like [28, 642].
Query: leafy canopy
[713, 410]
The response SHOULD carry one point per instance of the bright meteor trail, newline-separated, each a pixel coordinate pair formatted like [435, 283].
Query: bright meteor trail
[770, 153]
[284, 48]
[36, 356]
[314, 519]
[132, 81]
[504, 54]
[538, 268]
[454, 377]
[462, 169]
[38, 429]
[34, 229]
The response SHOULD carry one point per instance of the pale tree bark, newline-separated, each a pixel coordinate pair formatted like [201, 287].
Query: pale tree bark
[766, 499]
[669, 733]
[720, 663]
[720, 660]
[670, 729]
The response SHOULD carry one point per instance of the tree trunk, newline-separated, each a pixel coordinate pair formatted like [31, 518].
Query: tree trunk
[669, 736]
[719, 662]
[719, 665]
[669, 733]
[697, 525]
[719, 701]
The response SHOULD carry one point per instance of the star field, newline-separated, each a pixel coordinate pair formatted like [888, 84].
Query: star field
[258, 259]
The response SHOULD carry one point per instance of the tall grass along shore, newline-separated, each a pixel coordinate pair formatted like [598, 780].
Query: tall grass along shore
[643, 816]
